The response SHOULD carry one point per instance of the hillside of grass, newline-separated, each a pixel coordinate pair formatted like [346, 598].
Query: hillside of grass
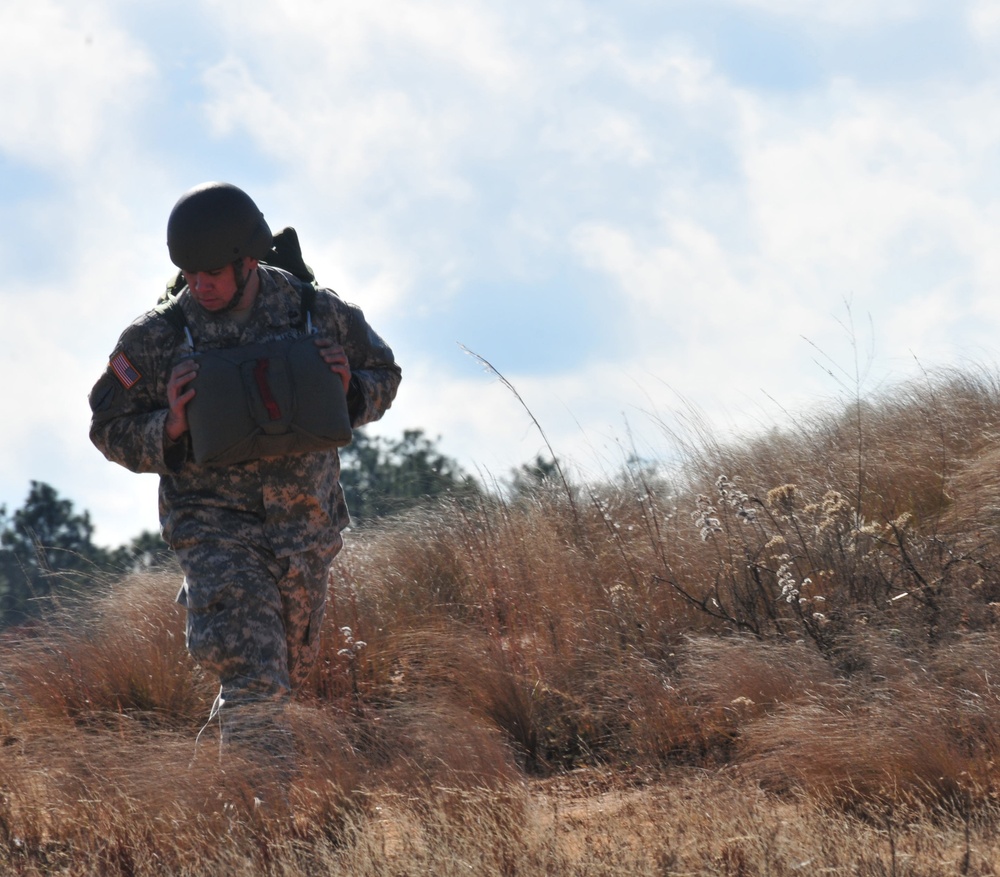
[781, 657]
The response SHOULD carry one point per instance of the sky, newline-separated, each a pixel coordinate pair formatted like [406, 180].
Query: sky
[640, 214]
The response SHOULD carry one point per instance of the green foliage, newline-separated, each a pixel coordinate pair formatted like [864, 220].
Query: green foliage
[384, 476]
[146, 551]
[46, 547]
[47, 551]
[529, 478]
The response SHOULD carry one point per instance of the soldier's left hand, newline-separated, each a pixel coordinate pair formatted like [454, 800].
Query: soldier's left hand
[335, 357]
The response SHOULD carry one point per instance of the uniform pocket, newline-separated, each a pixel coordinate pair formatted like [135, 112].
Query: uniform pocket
[204, 635]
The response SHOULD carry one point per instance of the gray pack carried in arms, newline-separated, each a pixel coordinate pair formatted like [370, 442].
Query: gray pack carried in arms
[264, 400]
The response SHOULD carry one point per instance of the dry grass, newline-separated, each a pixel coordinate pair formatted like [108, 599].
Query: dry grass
[780, 661]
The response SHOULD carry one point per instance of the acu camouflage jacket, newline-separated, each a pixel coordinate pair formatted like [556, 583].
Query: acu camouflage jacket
[289, 504]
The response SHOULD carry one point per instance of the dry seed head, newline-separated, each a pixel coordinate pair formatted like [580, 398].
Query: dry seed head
[782, 498]
[834, 502]
[903, 521]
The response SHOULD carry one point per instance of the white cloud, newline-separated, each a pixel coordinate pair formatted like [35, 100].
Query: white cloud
[669, 73]
[466, 35]
[887, 200]
[846, 13]
[70, 74]
[835, 192]
[349, 89]
[847, 199]
[594, 133]
[983, 17]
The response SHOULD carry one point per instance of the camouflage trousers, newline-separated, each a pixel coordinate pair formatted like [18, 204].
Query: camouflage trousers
[254, 620]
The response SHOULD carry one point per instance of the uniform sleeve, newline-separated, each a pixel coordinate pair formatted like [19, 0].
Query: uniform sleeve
[375, 376]
[129, 404]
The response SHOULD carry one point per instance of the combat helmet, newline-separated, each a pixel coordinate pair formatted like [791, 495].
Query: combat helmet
[215, 224]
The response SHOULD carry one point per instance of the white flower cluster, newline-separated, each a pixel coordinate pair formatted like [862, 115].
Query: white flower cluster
[351, 645]
[789, 591]
[736, 499]
[705, 517]
[792, 591]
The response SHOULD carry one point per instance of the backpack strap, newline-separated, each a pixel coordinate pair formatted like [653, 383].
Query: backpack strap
[306, 304]
[169, 306]
[285, 253]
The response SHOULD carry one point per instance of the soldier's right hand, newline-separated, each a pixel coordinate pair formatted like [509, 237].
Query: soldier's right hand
[179, 393]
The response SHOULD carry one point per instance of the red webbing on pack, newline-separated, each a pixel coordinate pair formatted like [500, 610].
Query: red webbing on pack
[267, 397]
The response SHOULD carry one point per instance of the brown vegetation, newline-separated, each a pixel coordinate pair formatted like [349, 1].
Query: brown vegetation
[780, 659]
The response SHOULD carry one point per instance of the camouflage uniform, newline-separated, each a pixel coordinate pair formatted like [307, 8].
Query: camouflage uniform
[255, 539]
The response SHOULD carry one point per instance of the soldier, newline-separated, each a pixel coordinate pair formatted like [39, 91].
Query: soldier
[255, 538]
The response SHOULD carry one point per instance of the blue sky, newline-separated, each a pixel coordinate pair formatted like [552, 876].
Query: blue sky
[631, 210]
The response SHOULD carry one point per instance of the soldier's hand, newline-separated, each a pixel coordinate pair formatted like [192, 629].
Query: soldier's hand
[179, 393]
[335, 357]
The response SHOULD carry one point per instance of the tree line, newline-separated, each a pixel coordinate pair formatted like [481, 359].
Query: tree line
[47, 550]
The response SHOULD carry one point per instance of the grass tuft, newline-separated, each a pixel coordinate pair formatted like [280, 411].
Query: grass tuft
[778, 658]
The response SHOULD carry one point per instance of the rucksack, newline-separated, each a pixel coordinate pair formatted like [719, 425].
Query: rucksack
[266, 400]
[286, 253]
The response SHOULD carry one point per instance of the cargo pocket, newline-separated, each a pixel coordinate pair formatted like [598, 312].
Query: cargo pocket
[205, 635]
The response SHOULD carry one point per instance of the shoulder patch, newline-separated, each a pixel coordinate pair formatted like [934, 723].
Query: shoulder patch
[124, 370]
[102, 397]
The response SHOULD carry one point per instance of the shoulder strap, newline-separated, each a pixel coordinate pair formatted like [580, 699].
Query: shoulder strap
[308, 300]
[169, 306]
[286, 253]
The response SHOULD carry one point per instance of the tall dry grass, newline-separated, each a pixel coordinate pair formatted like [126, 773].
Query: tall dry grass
[780, 659]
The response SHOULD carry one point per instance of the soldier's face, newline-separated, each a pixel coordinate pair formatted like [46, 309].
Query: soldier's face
[213, 290]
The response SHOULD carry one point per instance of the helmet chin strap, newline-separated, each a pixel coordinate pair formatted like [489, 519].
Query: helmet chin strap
[241, 284]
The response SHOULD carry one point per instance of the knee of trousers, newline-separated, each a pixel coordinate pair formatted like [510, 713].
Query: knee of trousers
[243, 643]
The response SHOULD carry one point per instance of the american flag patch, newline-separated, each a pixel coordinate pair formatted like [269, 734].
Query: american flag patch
[124, 371]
